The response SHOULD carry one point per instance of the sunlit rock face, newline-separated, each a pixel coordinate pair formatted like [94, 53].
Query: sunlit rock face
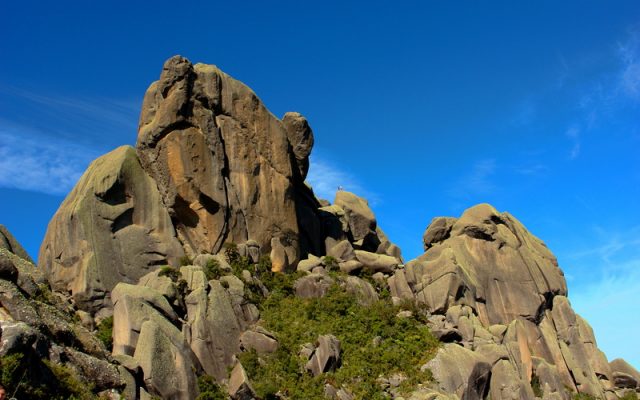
[226, 168]
[497, 291]
[112, 227]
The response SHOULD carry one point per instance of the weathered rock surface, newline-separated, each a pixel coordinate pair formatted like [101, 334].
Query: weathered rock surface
[497, 294]
[40, 327]
[222, 162]
[111, 228]
[213, 166]
[8, 242]
[326, 355]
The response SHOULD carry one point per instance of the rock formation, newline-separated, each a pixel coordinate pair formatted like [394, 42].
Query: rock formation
[496, 292]
[175, 242]
[111, 228]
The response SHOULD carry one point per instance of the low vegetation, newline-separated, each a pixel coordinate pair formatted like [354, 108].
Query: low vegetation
[209, 389]
[375, 343]
[26, 377]
[105, 332]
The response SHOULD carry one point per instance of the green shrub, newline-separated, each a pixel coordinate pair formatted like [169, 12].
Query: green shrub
[70, 382]
[330, 263]
[583, 396]
[185, 260]
[209, 389]
[105, 332]
[264, 265]
[406, 344]
[535, 385]
[212, 269]
[170, 272]
[231, 252]
[26, 377]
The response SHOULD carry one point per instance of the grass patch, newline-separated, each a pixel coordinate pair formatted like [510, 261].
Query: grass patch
[405, 344]
[105, 332]
[209, 389]
[212, 269]
[32, 378]
[170, 272]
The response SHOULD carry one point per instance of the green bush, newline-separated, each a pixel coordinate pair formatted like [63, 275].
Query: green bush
[535, 385]
[212, 269]
[105, 332]
[185, 260]
[330, 263]
[583, 396]
[264, 265]
[27, 377]
[170, 272]
[405, 345]
[209, 389]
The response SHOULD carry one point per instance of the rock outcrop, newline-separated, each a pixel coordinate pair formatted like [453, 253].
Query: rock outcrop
[224, 165]
[111, 228]
[45, 350]
[496, 292]
[176, 241]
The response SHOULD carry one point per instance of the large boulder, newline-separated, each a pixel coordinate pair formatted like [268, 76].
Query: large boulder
[225, 166]
[9, 242]
[111, 228]
[497, 290]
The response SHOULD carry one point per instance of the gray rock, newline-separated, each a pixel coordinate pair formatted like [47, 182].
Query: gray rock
[313, 286]
[259, 340]
[326, 356]
[8, 270]
[377, 262]
[239, 386]
[361, 289]
[9, 242]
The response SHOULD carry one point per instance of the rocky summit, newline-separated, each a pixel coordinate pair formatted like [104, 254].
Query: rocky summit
[200, 265]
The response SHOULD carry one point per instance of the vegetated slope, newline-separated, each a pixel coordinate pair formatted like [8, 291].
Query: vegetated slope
[209, 269]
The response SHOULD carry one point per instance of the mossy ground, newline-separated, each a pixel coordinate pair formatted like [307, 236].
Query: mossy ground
[374, 341]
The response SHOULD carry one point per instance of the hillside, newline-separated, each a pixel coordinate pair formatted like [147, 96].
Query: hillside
[199, 264]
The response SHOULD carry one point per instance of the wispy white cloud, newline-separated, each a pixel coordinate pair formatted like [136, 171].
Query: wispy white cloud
[536, 169]
[39, 163]
[629, 76]
[573, 133]
[477, 182]
[326, 177]
[47, 141]
[96, 119]
[609, 297]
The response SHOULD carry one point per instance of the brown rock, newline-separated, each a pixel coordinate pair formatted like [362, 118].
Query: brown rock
[111, 228]
[221, 160]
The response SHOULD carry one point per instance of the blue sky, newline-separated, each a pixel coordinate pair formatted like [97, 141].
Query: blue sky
[425, 109]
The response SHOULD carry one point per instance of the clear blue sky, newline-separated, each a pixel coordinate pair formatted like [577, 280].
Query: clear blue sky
[423, 109]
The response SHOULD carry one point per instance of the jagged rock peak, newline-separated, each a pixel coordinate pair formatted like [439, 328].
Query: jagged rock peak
[226, 168]
[499, 299]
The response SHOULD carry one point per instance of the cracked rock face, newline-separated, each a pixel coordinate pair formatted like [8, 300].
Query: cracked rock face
[212, 166]
[111, 228]
[500, 290]
[224, 165]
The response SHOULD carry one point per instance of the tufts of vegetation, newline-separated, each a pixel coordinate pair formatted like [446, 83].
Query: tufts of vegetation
[105, 332]
[212, 269]
[404, 344]
[45, 295]
[170, 272]
[30, 378]
[535, 385]
[209, 389]
[583, 396]
[185, 260]
[330, 263]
